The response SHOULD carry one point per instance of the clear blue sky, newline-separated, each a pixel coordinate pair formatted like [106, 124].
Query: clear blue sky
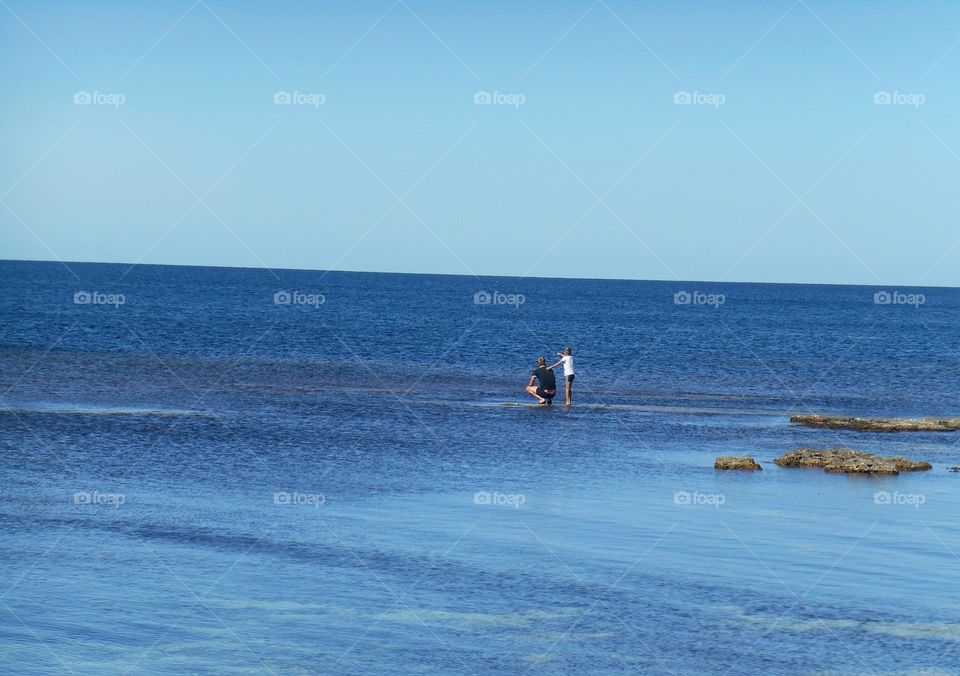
[792, 174]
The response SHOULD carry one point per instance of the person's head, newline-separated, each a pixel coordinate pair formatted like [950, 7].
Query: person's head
[541, 361]
[567, 350]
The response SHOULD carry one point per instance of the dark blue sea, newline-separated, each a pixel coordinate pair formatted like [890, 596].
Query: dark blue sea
[210, 470]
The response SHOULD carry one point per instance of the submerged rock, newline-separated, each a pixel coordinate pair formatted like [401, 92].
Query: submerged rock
[731, 462]
[836, 422]
[849, 461]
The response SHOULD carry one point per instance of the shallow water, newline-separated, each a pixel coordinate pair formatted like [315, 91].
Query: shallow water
[200, 480]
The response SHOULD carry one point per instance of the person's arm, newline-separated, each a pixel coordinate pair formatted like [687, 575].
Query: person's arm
[550, 368]
[533, 378]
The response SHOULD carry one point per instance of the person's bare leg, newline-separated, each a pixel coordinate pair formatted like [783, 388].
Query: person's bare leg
[569, 393]
[532, 391]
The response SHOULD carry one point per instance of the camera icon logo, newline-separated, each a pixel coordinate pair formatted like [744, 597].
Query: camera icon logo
[881, 498]
[82, 298]
[482, 298]
[482, 98]
[681, 298]
[82, 498]
[681, 498]
[682, 98]
[882, 298]
[482, 498]
[281, 498]
[282, 298]
[282, 98]
[82, 98]
[882, 98]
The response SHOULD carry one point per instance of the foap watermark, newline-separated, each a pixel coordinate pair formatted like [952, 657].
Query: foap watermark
[98, 498]
[696, 499]
[485, 98]
[699, 298]
[898, 298]
[496, 499]
[298, 298]
[295, 98]
[897, 498]
[497, 298]
[97, 298]
[297, 498]
[685, 98]
[85, 98]
[885, 98]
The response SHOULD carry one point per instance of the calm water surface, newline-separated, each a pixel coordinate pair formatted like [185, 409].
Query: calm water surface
[201, 480]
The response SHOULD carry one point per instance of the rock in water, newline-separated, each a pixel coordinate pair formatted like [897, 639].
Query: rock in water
[810, 457]
[877, 465]
[849, 461]
[836, 422]
[731, 462]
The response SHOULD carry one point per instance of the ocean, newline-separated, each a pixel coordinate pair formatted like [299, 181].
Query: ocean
[216, 470]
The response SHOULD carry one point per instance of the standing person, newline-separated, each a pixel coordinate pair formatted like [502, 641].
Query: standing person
[566, 358]
[546, 388]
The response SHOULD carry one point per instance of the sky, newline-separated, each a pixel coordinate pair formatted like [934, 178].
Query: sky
[778, 141]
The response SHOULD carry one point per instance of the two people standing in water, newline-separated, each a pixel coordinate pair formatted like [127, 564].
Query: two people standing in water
[546, 383]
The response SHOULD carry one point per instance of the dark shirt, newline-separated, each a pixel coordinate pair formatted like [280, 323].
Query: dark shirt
[546, 378]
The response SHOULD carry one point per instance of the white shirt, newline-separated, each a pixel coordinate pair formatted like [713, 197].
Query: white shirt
[567, 360]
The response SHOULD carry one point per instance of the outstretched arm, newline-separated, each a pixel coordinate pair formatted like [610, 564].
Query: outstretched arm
[553, 366]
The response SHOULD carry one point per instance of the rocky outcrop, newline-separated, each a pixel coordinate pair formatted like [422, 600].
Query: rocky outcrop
[849, 461]
[731, 462]
[878, 424]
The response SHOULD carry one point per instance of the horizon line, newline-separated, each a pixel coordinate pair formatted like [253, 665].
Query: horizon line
[454, 274]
